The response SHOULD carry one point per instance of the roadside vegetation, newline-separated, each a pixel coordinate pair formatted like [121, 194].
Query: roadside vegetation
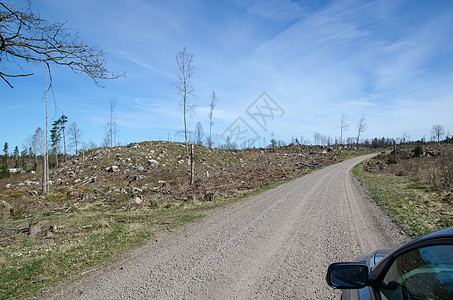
[415, 186]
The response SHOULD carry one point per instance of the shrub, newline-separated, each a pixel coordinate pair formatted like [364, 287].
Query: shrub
[418, 150]
[391, 160]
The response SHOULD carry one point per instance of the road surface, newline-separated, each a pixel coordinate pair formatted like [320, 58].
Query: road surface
[275, 245]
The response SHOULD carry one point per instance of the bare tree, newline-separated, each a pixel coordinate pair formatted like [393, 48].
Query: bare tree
[74, 132]
[25, 37]
[183, 84]
[199, 133]
[405, 137]
[36, 144]
[437, 132]
[361, 127]
[112, 127]
[211, 110]
[344, 125]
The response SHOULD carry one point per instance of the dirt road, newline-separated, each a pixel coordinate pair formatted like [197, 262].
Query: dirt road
[275, 245]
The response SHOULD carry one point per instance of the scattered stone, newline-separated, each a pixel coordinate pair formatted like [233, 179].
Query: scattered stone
[162, 182]
[16, 170]
[72, 194]
[140, 168]
[112, 169]
[137, 190]
[33, 193]
[135, 201]
[153, 163]
[132, 145]
[138, 177]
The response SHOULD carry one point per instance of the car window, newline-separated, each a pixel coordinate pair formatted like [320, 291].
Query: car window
[424, 273]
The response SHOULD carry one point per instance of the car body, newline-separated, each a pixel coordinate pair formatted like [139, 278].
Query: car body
[420, 269]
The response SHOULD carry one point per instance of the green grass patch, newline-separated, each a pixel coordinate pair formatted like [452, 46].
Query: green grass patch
[414, 207]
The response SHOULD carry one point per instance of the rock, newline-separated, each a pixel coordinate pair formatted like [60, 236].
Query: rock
[162, 182]
[33, 193]
[16, 170]
[153, 163]
[132, 145]
[72, 194]
[138, 177]
[112, 169]
[135, 201]
[137, 190]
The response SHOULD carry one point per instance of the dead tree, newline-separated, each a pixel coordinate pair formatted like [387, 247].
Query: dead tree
[183, 85]
[74, 135]
[344, 125]
[211, 110]
[361, 127]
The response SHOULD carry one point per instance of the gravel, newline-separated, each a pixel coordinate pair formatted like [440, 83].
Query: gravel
[275, 245]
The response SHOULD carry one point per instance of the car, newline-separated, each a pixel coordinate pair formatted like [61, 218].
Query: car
[420, 269]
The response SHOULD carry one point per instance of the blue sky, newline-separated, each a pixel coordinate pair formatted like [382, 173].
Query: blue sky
[391, 61]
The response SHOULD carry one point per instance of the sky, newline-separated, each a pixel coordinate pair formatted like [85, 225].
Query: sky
[280, 69]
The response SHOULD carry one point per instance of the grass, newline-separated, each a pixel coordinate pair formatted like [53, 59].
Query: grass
[415, 205]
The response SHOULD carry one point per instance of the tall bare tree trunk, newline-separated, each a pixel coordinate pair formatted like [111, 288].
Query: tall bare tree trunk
[64, 143]
[192, 165]
[185, 123]
[45, 167]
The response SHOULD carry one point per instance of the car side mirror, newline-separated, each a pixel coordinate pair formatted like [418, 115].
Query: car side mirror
[347, 275]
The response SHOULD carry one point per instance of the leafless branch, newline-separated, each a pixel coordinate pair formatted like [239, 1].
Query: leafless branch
[27, 37]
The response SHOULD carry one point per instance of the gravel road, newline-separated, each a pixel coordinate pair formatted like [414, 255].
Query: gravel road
[275, 245]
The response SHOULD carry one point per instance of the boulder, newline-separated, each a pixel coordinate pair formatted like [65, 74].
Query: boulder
[135, 201]
[153, 163]
[112, 169]
[132, 145]
[162, 182]
[33, 193]
[72, 194]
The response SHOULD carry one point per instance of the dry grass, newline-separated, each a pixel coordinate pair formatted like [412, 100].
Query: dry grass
[417, 191]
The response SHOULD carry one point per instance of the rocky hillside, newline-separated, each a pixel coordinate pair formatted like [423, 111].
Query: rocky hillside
[151, 173]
